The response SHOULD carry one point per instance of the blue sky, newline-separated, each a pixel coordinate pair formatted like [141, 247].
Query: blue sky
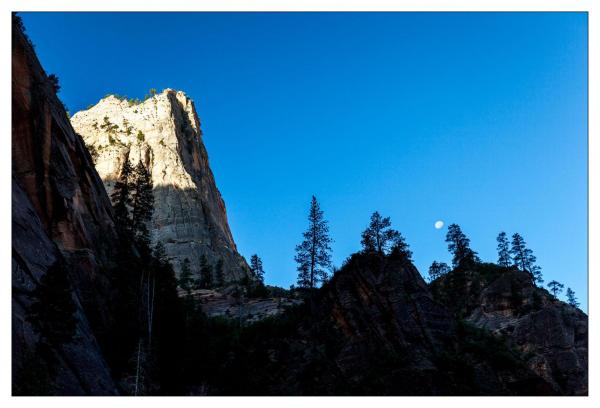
[476, 118]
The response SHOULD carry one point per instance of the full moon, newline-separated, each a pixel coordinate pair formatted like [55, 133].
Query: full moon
[438, 224]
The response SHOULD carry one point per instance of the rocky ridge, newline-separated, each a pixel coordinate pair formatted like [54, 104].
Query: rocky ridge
[373, 329]
[163, 132]
[551, 334]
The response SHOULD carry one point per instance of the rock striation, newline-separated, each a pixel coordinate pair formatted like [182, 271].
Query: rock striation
[163, 132]
[60, 213]
[373, 329]
[551, 334]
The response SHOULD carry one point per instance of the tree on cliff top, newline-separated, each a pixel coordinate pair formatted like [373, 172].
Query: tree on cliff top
[401, 248]
[556, 288]
[256, 266]
[313, 254]
[503, 247]
[458, 245]
[524, 259]
[379, 235]
[571, 299]
[437, 269]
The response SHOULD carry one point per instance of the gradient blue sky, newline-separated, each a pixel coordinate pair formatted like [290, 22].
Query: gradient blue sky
[478, 119]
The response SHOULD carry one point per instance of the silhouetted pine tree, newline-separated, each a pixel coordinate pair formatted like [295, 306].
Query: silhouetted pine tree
[53, 79]
[121, 199]
[379, 235]
[256, 266]
[524, 259]
[401, 248]
[219, 277]
[437, 269]
[458, 245]
[142, 198]
[536, 272]
[571, 299]
[556, 288]
[185, 281]
[313, 255]
[205, 280]
[504, 258]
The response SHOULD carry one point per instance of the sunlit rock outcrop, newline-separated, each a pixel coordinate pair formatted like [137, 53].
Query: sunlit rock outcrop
[164, 133]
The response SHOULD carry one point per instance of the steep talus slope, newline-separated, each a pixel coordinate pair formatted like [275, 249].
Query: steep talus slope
[552, 335]
[164, 133]
[60, 213]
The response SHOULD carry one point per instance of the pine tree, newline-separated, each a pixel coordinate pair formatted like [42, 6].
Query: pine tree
[303, 279]
[437, 269]
[536, 272]
[219, 277]
[52, 311]
[121, 199]
[524, 259]
[458, 245]
[256, 266]
[571, 299]
[142, 202]
[504, 258]
[556, 288]
[205, 280]
[53, 79]
[379, 236]
[518, 252]
[185, 277]
[313, 255]
[401, 248]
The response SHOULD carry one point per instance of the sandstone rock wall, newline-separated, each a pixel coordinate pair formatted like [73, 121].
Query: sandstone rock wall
[59, 211]
[164, 133]
[552, 335]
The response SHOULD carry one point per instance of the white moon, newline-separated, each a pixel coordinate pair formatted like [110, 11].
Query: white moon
[438, 224]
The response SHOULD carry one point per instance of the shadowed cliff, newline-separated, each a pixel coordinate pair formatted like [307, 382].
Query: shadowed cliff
[61, 219]
[551, 334]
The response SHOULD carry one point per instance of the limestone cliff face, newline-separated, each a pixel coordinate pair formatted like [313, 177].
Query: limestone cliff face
[60, 213]
[164, 133]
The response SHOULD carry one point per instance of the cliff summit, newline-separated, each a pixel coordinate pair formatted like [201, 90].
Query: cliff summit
[163, 132]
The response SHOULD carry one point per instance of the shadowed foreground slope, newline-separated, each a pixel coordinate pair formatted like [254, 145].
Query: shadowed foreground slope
[374, 329]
